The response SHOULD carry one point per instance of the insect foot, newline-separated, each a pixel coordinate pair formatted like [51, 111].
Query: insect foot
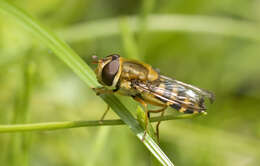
[145, 132]
[96, 91]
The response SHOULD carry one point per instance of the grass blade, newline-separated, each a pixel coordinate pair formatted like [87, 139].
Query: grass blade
[165, 23]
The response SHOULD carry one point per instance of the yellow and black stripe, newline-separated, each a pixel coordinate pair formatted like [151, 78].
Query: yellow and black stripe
[170, 94]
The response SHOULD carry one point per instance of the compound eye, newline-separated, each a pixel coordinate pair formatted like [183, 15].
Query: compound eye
[114, 56]
[109, 72]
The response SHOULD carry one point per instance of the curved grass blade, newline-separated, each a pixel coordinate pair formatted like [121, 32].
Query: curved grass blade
[69, 57]
[165, 23]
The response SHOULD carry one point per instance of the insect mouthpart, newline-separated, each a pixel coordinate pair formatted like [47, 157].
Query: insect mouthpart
[94, 59]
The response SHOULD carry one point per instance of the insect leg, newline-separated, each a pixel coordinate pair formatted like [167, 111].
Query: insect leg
[103, 90]
[141, 101]
[104, 114]
[158, 124]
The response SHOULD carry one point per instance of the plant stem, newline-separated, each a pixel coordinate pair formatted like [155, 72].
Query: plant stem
[74, 124]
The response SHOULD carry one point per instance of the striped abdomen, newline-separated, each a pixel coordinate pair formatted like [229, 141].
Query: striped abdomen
[178, 97]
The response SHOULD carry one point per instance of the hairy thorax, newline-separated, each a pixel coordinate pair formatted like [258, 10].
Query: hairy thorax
[137, 71]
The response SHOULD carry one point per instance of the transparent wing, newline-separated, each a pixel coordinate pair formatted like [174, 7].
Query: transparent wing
[172, 93]
[202, 92]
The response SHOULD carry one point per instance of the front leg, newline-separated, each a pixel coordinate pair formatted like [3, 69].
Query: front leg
[100, 91]
[103, 90]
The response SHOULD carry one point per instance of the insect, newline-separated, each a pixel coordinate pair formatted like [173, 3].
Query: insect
[147, 86]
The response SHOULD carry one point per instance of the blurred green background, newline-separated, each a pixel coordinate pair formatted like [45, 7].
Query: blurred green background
[35, 86]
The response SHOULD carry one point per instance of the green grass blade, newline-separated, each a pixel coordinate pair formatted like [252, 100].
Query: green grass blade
[69, 57]
[146, 9]
[20, 142]
[99, 144]
[128, 40]
[166, 23]
[60, 48]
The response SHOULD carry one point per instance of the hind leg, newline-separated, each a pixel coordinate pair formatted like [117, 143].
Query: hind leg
[147, 115]
[158, 124]
[157, 127]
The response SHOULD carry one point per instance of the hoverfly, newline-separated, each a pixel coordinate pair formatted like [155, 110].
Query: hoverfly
[145, 85]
